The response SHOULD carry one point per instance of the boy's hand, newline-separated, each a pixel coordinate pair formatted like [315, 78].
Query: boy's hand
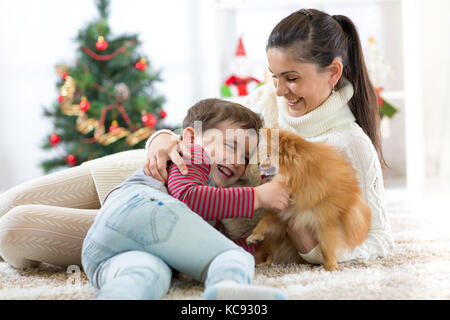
[272, 195]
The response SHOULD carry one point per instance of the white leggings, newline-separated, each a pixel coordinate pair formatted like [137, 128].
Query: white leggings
[47, 219]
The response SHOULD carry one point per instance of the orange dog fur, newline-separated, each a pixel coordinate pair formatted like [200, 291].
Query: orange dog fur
[325, 197]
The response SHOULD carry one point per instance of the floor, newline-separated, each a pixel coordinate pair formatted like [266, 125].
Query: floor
[417, 268]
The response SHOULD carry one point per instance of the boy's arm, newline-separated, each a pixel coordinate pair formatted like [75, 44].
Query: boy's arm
[210, 203]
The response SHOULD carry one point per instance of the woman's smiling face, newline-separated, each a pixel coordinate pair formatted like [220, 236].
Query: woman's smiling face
[301, 84]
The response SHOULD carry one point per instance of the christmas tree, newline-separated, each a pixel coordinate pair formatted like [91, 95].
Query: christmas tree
[107, 102]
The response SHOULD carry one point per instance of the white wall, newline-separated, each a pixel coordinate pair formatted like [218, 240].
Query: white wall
[434, 73]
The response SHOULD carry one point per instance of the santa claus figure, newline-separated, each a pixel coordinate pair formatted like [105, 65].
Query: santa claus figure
[241, 82]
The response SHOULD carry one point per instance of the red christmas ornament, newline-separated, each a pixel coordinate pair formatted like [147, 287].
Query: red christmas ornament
[114, 126]
[149, 120]
[162, 114]
[141, 65]
[54, 139]
[101, 44]
[84, 104]
[60, 98]
[71, 160]
[64, 75]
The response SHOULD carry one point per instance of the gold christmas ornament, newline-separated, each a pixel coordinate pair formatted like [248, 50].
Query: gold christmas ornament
[112, 137]
[85, 124]
[68, 88]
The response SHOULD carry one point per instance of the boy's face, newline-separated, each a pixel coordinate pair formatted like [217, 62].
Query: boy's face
[229, 148]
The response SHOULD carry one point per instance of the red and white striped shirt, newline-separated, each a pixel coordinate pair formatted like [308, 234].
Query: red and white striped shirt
[211, 203]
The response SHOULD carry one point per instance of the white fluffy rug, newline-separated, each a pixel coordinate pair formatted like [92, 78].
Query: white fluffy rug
[418, 267]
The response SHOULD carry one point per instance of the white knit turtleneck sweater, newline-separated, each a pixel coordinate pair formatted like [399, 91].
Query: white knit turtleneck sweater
[334, 124]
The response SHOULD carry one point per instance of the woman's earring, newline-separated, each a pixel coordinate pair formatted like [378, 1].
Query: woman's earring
[333, 91]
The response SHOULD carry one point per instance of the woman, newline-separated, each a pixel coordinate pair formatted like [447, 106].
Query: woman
[321, 90]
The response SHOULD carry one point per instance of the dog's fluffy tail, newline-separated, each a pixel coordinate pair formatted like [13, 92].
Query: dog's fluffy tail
[356, 222]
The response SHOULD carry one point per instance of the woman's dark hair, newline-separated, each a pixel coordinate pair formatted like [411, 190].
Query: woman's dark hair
[313, 36]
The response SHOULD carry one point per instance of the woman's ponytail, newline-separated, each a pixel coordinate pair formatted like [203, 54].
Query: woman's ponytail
[364, 104]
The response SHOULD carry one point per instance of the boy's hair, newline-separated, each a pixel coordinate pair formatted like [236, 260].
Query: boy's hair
[210, 112]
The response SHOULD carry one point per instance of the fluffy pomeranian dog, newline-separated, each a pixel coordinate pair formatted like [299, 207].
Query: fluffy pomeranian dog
[325, 198]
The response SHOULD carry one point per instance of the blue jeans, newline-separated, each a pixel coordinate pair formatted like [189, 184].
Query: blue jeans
[141, 232]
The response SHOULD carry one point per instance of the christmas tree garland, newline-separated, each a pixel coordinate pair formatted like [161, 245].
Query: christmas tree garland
[99, 57]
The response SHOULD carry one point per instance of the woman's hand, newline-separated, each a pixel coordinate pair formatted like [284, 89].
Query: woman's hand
[165, 147]
[302, 238]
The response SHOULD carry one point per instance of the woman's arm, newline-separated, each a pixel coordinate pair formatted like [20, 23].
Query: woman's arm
[362, 155]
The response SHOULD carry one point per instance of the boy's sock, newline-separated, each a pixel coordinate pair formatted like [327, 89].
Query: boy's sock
[231, 290]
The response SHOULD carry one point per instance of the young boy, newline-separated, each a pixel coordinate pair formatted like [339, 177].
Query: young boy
[145, 228]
